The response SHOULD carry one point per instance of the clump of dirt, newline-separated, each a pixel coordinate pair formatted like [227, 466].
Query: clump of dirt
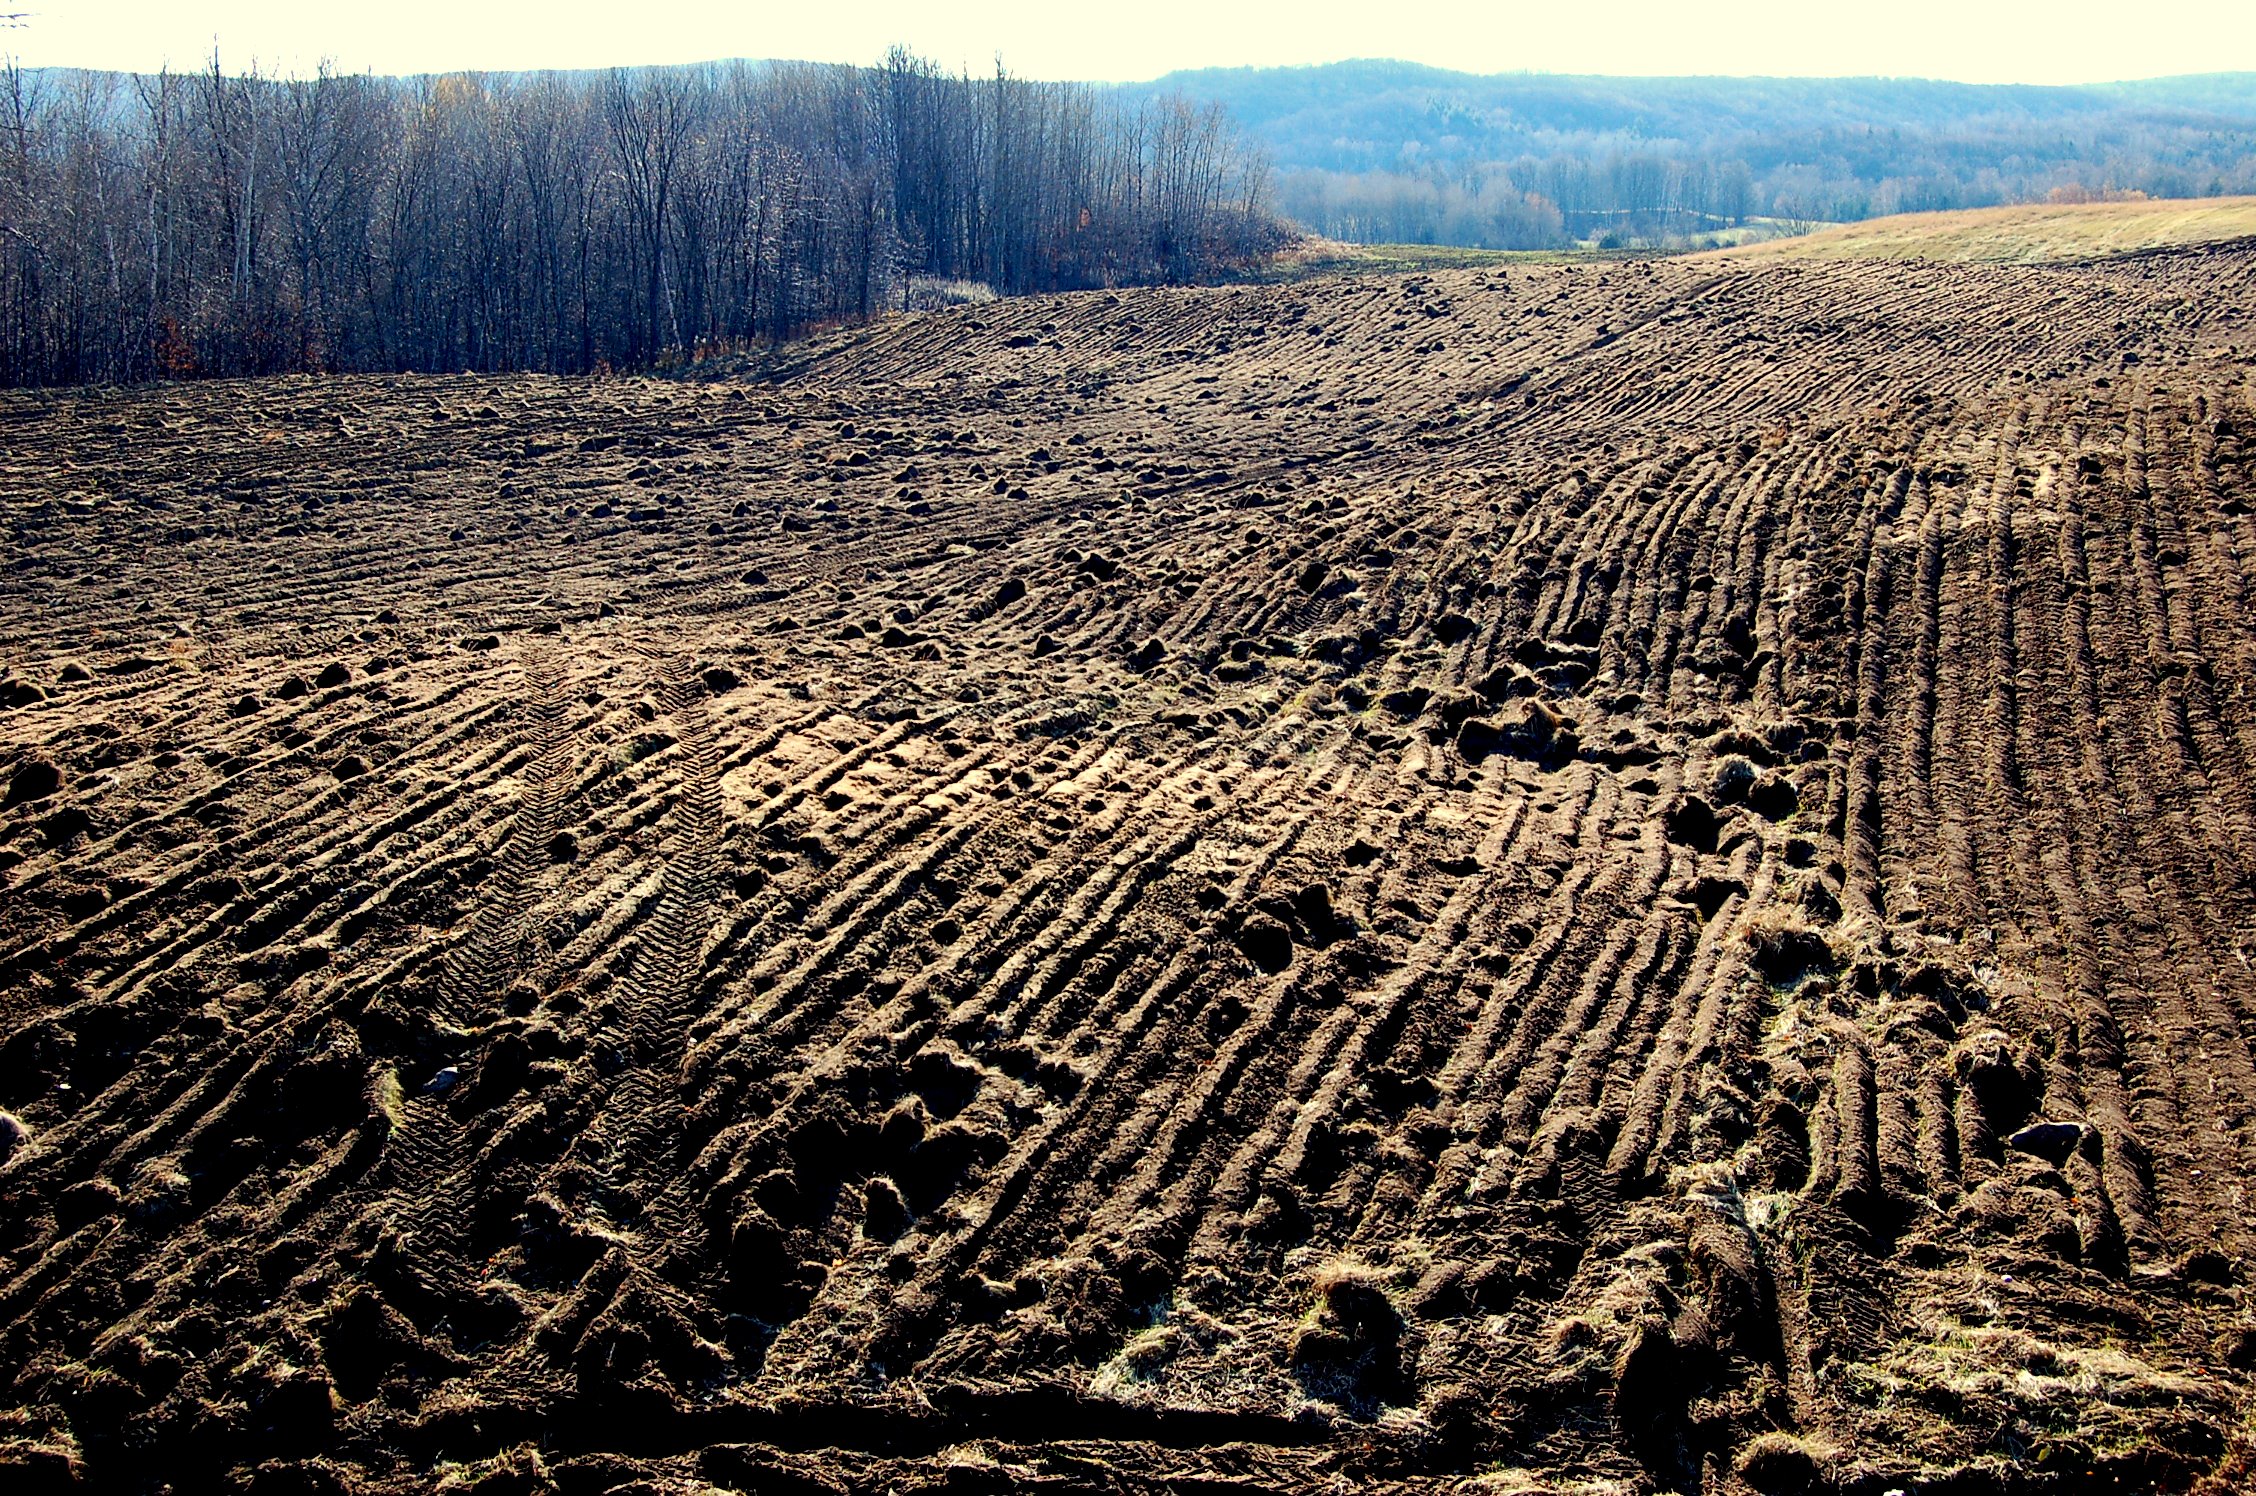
[1351, 1350]
[34, 779]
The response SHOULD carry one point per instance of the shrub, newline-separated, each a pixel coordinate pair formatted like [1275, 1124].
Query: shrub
[930, 293]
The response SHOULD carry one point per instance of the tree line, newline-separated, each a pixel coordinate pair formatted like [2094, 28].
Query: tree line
[1393, 152]
[1639, 193]
[215, 223]
[1536, 203]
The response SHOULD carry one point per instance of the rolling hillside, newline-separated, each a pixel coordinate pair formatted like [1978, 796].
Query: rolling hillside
[2037, 233]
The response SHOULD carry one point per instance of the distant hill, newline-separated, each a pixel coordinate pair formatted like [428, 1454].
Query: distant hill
[1363, 115]
[1395, 151]
[1383, 152]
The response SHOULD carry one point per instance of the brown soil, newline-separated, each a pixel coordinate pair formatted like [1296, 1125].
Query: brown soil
[1597, 878]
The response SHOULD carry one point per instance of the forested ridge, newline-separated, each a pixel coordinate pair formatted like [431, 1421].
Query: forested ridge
[1389, 152]
[218, 223]
[210, 223]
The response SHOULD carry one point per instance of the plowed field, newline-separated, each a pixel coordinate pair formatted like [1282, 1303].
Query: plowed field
[1596, 878]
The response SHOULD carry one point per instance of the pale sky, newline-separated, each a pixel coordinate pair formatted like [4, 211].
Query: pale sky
[2021, 41]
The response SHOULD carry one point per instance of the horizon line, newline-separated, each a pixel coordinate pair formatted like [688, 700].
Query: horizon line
[8, 61]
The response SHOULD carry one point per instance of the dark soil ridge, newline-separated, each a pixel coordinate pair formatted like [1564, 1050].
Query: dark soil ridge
[1627, 877]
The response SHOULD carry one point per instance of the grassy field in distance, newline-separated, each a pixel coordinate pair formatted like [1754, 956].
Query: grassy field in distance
[1317, 257]
[2030, 233]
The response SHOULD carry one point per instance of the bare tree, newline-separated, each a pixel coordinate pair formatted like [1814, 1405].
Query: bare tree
[226, 222]
[648, 121]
